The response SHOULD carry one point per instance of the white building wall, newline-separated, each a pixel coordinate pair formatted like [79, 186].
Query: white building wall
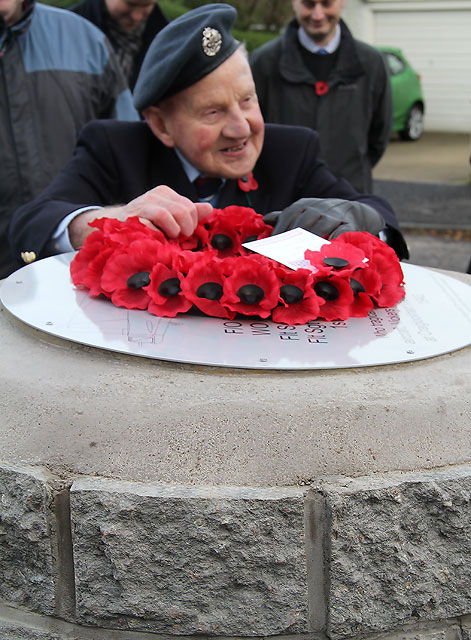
[436, 39]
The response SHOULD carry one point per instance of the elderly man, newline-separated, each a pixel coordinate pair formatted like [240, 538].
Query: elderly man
[317, 75]
[197, 95]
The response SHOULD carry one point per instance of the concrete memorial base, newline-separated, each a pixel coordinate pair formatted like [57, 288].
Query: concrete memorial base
[145, 499]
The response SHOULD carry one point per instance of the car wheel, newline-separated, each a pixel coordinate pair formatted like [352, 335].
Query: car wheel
[414, 123]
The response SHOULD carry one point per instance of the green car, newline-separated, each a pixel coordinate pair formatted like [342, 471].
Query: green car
[407, 95]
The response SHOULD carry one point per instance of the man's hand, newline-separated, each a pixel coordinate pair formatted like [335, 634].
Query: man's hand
[327, 217]
[160, 208]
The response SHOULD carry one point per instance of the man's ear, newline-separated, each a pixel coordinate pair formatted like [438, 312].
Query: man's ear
[156, 119]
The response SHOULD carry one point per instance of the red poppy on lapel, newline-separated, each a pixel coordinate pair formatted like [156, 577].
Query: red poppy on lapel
[321, 88]
[247, 183]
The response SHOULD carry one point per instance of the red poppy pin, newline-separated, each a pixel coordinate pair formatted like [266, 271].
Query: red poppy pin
[247, 183]
[321, 88]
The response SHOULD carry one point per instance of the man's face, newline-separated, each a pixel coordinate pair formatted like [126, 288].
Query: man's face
[129, 14]
[11, 11]
[318, 18]
[216, 123]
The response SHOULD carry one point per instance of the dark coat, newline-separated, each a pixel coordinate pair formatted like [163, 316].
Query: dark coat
[115, 162]
[95, 11]
[354, 118]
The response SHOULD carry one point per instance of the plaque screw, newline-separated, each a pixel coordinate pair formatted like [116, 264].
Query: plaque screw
[410, 351]
[263, 359]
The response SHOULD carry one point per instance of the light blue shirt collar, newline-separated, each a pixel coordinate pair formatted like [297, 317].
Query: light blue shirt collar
[191, 172]
[311, 46]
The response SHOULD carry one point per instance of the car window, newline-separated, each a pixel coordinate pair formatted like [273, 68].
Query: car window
[395, 64]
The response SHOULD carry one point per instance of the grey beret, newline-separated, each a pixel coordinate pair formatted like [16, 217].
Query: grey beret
[185, 51]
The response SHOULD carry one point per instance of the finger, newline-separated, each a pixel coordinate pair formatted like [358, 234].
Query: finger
[186, 217]
[203, 209]
[147, 223]
[172, 216]
[165, 221]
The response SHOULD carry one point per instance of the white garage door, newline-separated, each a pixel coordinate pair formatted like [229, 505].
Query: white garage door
[438, 46]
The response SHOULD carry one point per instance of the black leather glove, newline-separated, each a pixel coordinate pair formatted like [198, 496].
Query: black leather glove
[326, 217]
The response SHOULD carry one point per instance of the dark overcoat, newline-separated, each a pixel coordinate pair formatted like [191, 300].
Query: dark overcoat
[115, 162]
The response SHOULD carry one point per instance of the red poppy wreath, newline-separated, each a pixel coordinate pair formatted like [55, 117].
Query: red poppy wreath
[139, 268]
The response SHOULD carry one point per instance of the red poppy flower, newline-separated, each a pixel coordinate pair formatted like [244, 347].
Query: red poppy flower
[337, 294]
[92, 276]
[182, 261]
[247, 183]
[364, 283]
[204, 287]
[392, 290]
[93, 247]
[118, 232]
[246, 224]
[196, 242]
[384, 260]
[252, 288]
[368, 243]
[234, 215]
[299, 302]
[166, 296]
[223, 237]
[138, 258]
[253, 228]
[337, 258]
[321, 87]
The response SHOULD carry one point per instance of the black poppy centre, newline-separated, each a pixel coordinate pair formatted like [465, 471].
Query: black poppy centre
[291, 294]
[250, 294]
[210, 291]
[138, 280]
[170, 288]
[356, 287]
[326, 290]
[336, 263]
[221, 241]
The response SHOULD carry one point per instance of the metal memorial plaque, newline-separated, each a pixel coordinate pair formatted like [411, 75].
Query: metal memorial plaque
[433, 319]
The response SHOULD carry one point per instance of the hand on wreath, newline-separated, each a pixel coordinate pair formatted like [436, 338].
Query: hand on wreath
[161, 208]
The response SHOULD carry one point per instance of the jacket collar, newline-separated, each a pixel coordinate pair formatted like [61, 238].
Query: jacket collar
[292, 68]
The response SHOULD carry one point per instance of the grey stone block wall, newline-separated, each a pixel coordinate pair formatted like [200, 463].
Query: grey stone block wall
[190, 560]
[26, 559]
[398, 550]
[384, 557]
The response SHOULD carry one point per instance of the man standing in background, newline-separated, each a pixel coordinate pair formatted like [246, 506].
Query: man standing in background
[130, 26]
[317, 75]
[58, 72]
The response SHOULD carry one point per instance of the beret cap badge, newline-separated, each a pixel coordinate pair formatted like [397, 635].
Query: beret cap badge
[212, 41]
